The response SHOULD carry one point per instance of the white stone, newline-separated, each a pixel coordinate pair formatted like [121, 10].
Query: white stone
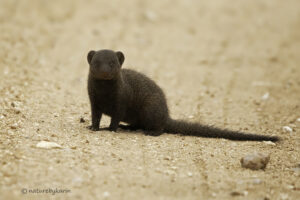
[291, 187]
[284, 196]
[287, 129]
[106, 194]
[265, 96]
[6, 71]
[257, 181]
[190, 174]
[48, 145]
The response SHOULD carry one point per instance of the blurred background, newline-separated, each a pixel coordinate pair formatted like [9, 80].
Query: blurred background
[230, 63]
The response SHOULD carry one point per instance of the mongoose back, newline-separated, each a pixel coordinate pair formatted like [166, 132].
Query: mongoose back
[131, 97]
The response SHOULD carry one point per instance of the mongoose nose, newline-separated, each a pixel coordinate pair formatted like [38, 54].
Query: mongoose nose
[105, 69]
[105, 74]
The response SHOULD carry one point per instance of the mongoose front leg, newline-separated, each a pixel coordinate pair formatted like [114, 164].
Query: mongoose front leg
[116, 117]
[114, 124]
[96, 117]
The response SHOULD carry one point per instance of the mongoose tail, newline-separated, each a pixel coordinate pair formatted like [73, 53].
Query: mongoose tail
[195, 129]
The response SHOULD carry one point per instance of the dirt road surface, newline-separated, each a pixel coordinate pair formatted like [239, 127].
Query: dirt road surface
[232, 64]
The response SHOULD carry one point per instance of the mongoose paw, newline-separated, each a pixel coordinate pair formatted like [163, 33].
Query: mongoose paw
[113, 129]
[93, 128]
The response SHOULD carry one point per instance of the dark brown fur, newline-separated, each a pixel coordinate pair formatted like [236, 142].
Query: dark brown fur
[131, 97]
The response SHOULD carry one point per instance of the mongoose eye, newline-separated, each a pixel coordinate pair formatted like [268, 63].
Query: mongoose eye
[96, 63]
[112, 63]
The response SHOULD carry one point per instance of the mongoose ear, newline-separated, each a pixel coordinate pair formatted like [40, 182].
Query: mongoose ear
[120, 56]
[90, 56]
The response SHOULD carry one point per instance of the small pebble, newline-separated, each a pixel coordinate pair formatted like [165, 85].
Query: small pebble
[169, 172]
[14, 104]
[14, 126]
[257, 181]
[48, 145]
[256, 102]
[298, 120]
[106, 194]
[265, 96]
[101, 162]
[1, 117]
[167, 158]
[82, 120]
[284, 196]
[291, 187]
[237, 193]
[287, 129]
[17, 110]
[190, 174]
[6, 71]
[255, 161]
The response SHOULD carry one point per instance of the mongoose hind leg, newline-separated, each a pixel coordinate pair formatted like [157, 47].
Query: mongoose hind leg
[154, 118]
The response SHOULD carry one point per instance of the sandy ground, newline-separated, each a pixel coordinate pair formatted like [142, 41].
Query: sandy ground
[215, 60]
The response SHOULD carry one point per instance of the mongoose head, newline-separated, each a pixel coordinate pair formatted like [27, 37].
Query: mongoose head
[105, 64]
